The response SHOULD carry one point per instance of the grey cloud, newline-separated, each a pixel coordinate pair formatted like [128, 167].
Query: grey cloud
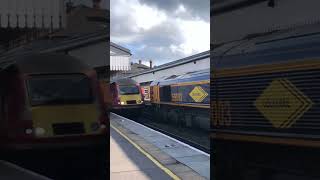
[200, 8]
[155, 43]
[162, 35]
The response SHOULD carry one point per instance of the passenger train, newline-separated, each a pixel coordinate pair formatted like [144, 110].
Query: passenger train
[127, 96]
[265, 92]
[50, 101]
[182, 100]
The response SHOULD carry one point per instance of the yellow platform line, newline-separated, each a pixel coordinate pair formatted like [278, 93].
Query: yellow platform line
[156, 162]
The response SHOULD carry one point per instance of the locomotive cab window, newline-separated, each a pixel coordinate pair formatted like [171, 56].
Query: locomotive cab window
[44, 89]
[126, 90]
[165, 93]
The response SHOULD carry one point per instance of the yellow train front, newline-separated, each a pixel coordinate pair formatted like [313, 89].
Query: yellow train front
[182, 100]
[45, 105]
[127, 97]
[51, 106]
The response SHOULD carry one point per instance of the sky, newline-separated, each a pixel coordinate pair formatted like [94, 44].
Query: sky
[161, 30]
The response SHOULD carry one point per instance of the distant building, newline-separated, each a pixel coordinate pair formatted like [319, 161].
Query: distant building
[138, 67]
[134, 69]
[120, 62]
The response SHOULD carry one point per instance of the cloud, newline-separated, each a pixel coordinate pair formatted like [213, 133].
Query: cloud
[195, 36]
[198, 8]
[160, 31]
[142, 16]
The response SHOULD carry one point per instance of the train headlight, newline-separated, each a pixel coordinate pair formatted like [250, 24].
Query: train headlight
[122, 103]
[40, 131]
[28, 131]
[102, 126]
[94, 126]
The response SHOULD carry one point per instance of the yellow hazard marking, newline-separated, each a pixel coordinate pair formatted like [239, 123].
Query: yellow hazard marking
[156, 162]
[198, 94]
[282, 103]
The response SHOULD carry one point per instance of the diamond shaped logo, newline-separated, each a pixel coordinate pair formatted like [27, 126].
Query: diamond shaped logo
[282, 103]
[198, 94]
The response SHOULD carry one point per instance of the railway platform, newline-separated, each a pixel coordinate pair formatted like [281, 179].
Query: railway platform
[14, 172]
[138, 152]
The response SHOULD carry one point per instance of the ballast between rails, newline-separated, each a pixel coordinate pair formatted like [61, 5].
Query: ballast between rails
[191, 143]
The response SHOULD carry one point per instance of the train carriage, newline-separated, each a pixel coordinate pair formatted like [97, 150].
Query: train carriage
[183, 100]
[265, 106]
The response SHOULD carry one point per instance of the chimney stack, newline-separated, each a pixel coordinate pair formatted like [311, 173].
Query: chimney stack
[96, 4]
[140, 61]
[150, 64]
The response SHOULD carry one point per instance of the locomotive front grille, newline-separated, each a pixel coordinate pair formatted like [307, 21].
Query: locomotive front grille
[68, 128]
[132, 102]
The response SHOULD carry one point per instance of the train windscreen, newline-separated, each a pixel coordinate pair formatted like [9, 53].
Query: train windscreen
[126, 90]
[63, 89]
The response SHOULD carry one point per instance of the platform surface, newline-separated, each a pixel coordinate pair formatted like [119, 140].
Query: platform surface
[182, 160]
[126, 162]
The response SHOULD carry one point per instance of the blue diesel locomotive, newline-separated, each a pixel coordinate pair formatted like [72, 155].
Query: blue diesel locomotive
[183, 100]
[265, 106]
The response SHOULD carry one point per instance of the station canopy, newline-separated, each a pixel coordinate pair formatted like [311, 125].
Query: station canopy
[119, 58]
[32, 14]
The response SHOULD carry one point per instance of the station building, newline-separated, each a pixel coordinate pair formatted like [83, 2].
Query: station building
[120, 60]
[192, 63]
[79, 28]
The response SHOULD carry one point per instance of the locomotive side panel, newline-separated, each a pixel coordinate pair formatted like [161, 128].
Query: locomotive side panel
[265, 107]
[182, 102]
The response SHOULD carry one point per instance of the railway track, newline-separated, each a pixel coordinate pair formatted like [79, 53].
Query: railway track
[146, 118]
